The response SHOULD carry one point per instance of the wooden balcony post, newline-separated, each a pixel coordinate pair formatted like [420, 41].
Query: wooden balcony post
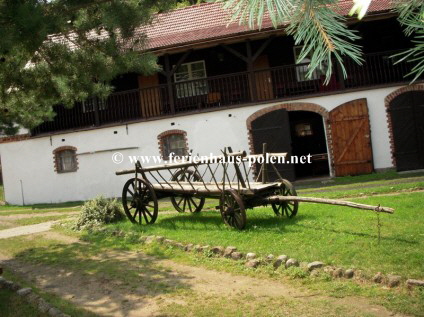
[250, 60]
[170, 89]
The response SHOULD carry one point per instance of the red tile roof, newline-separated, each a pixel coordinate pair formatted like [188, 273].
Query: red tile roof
[209, 21]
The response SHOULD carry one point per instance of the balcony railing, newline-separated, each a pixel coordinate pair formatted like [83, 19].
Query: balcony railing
[270, 84]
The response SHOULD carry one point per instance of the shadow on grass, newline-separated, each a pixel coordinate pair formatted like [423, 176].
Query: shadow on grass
[58, 205]
[101, 275]
[205, 221]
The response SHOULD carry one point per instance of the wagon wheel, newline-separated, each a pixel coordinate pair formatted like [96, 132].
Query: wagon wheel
[232, 209]
[140, 202]
[187, 202]
[288, 208]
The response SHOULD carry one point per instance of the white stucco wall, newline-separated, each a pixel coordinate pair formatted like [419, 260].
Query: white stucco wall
[31, 161]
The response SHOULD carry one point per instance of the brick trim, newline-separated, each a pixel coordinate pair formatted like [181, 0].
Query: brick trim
[168, 133]
[56, 153]
[387, 101]
[14, 138]
[295, 106]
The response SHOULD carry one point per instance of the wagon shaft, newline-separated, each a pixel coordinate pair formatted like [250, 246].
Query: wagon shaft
[279, 199]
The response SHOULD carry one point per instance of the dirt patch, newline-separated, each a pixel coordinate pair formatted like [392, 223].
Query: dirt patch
[158, 283]
[58, 236]
[44, 214]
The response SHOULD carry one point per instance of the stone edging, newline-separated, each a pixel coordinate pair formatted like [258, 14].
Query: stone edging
[284, 261]
[31, 298]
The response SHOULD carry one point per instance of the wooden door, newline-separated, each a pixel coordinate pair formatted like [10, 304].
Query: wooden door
[151, 105]
[273, 128]
[350, 130]
[407, 116]
[263, 81]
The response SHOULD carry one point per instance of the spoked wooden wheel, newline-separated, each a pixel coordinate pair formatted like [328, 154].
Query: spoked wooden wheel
[140, 202]
[288, 208]
[187, 202]
[232, 209]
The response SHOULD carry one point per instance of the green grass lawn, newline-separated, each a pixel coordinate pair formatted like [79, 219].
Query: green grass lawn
[335, 235]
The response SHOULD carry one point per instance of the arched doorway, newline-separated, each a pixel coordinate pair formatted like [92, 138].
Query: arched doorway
[308, 137]
[298, 129]
[407, 120]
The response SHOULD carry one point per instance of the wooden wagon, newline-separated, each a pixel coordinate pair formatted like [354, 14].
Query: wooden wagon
[228, 177]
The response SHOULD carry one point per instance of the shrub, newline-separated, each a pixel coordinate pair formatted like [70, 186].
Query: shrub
[99, 211]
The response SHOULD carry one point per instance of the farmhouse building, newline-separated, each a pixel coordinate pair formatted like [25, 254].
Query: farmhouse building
[223, 84]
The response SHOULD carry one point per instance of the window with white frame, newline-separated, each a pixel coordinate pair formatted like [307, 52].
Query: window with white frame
[187, 79]
[89, 105]
[302, 70]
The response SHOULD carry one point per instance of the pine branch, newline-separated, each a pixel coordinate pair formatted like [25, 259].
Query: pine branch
[313, 23]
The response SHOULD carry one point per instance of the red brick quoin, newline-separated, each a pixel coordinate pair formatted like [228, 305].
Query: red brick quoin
[170, 132]
[14, 138]
[56, 158]
[387, 101]
[295, 106]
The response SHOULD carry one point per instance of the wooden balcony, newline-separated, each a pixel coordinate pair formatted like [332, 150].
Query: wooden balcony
[219, 92]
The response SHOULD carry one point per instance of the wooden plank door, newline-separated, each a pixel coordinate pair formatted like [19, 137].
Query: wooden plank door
[263, 80]
[273, 128]
[407, 116]
[351, 133]
[151, 104]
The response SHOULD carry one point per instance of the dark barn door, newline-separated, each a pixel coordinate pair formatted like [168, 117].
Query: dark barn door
[407, 116]
[273, 128]
[351, 133]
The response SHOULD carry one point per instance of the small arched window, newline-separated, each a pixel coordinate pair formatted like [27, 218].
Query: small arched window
[65, 159]
[173, 141]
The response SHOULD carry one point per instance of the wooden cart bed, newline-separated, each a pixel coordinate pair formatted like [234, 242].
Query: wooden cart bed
[212, 188]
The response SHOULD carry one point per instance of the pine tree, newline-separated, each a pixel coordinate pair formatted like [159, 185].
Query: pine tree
[62, 51]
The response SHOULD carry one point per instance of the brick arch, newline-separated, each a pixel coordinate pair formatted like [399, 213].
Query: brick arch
[167, 133]
[295, 106]
[56, 152]
[387, 101]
